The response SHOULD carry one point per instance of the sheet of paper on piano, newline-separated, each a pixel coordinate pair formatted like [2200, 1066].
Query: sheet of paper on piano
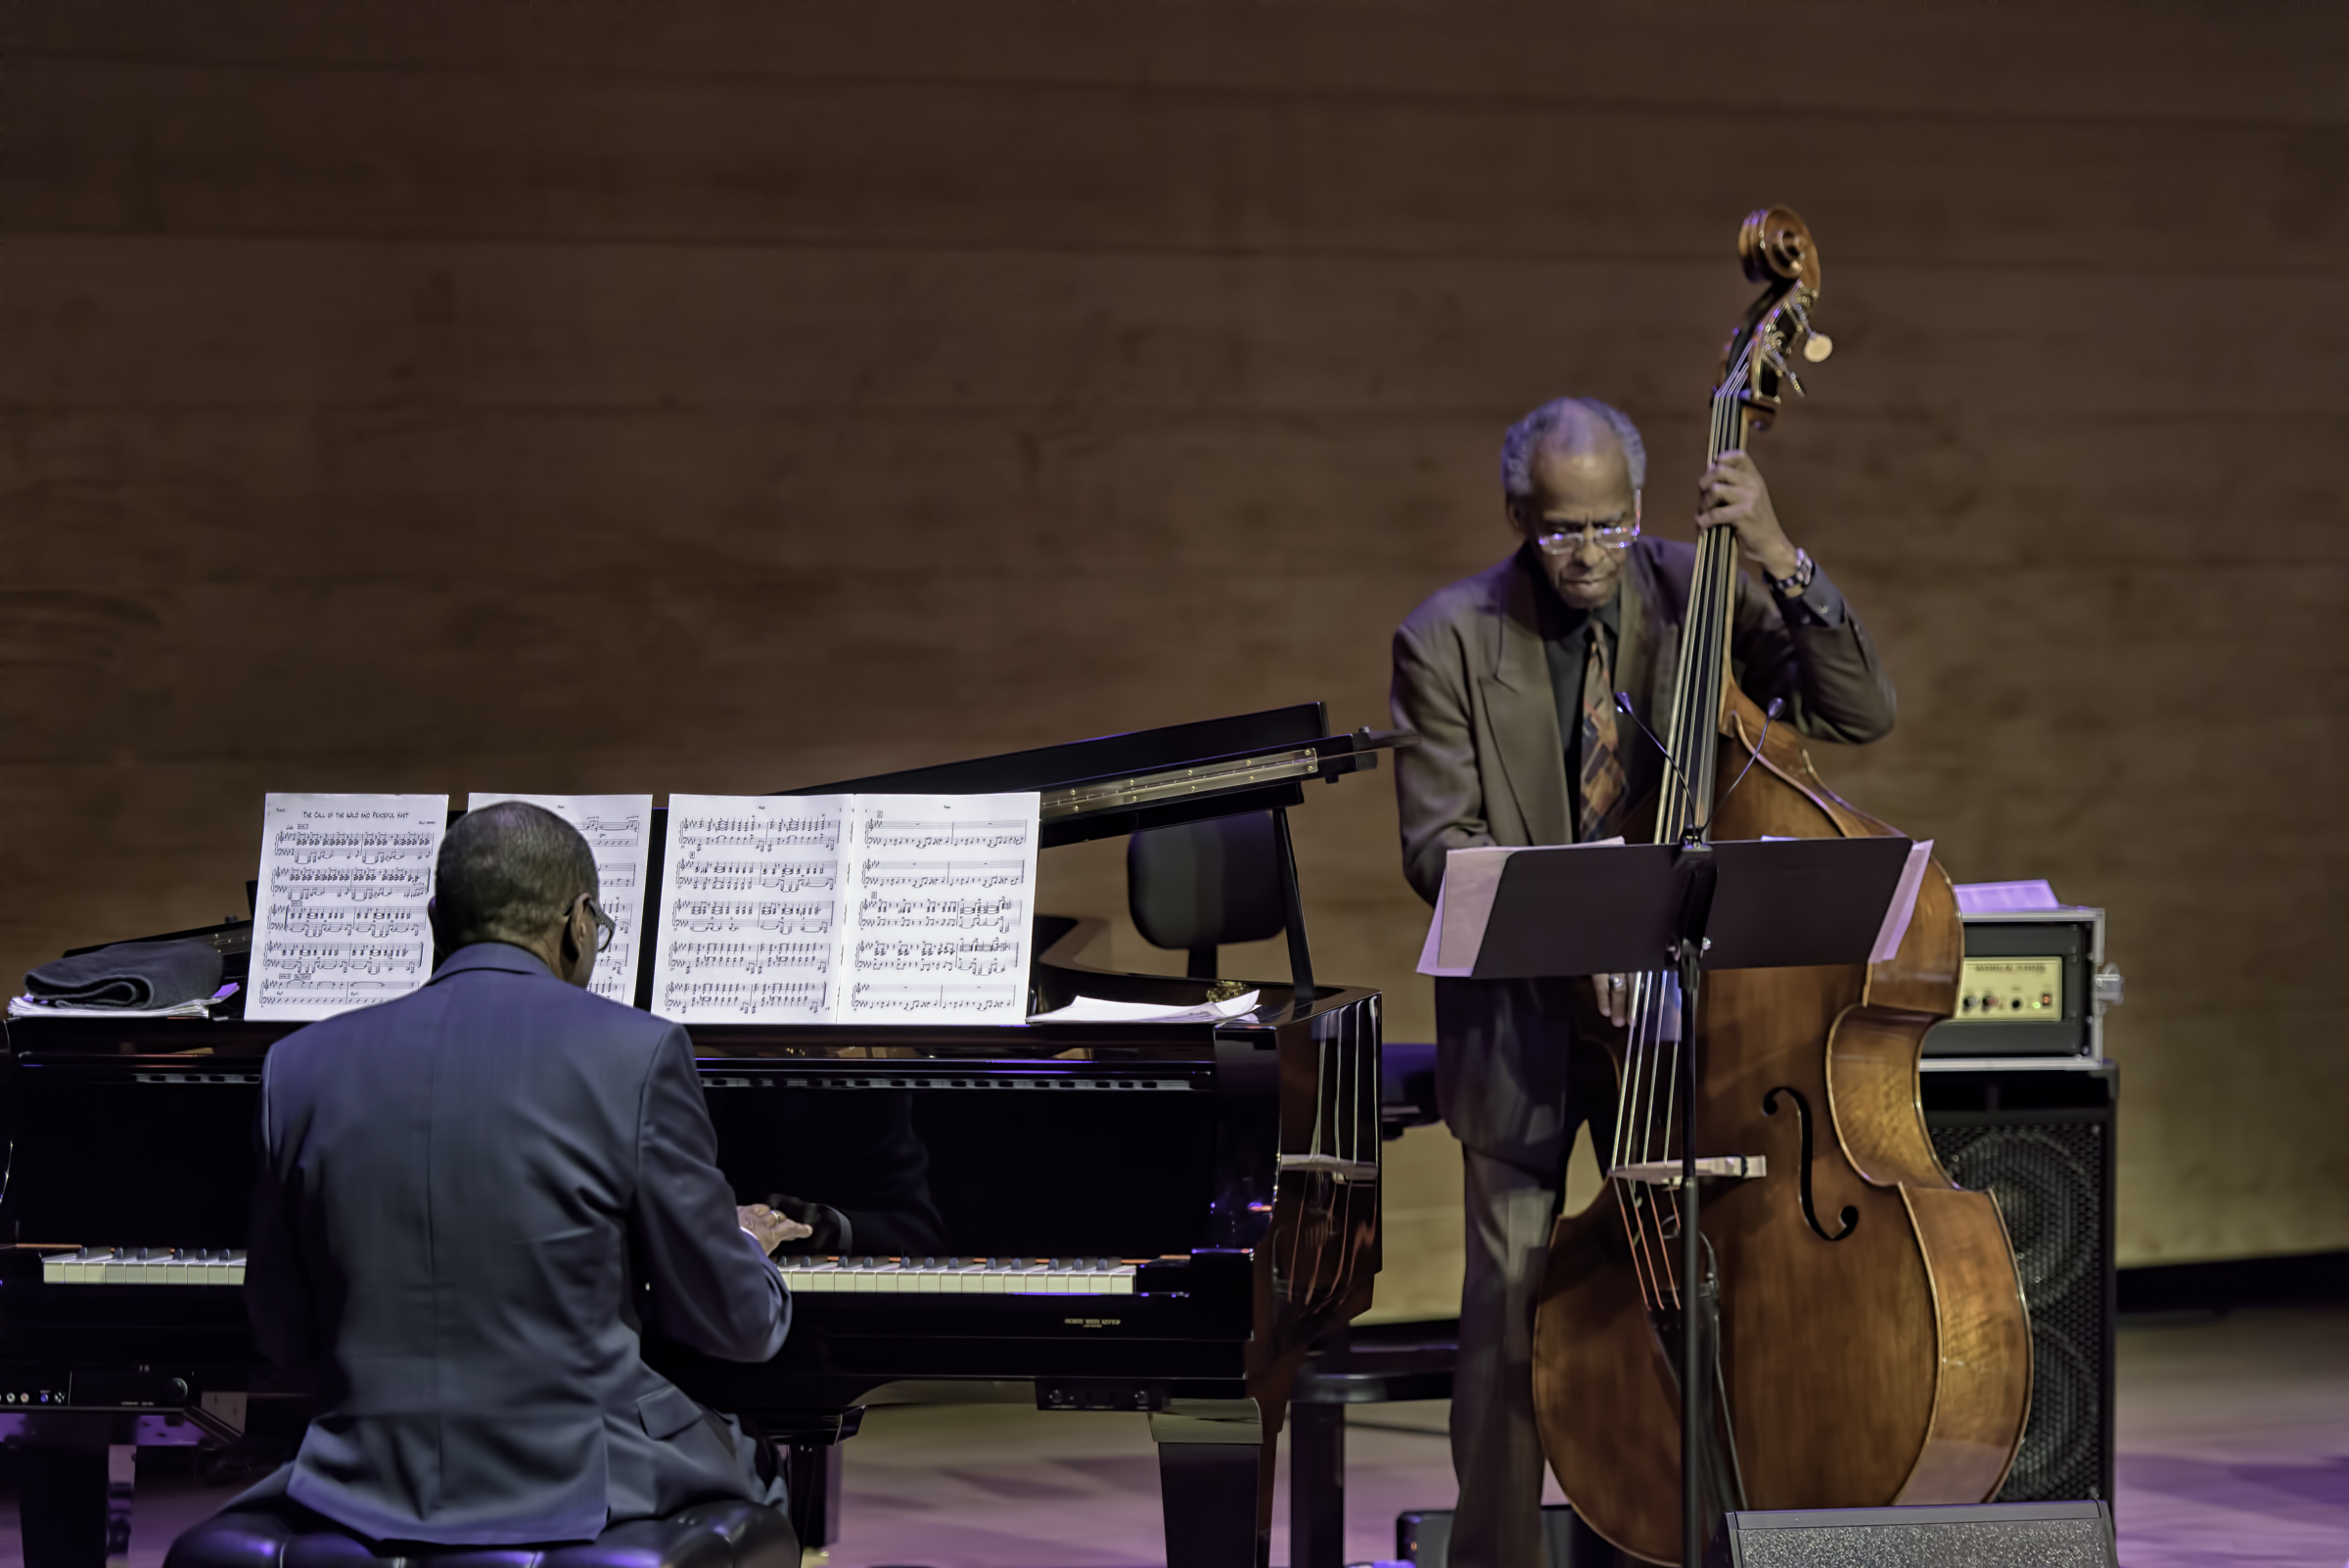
[846, 908]
[345, 881]
[619, 828]
[1098, 1010]
[942, 910]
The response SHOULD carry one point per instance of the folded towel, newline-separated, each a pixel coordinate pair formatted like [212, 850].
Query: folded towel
[129, 974]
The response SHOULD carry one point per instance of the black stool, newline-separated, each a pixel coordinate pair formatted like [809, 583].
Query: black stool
[729, 1534]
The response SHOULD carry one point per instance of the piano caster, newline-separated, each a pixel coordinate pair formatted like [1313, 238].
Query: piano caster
[1214, 1482]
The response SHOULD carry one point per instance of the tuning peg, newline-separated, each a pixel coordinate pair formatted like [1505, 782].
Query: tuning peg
[1778, 362]
[1816, 345]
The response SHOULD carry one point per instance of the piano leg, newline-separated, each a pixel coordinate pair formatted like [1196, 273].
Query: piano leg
[1214, 1480]
[74, 1504]
[811, 1473]
[1316, 1485]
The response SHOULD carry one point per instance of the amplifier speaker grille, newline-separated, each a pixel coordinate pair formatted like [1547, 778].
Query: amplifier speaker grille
[2042, 1535]
[2050, 1177]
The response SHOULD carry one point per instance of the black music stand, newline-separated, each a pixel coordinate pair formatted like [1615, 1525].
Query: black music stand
[1764, 903]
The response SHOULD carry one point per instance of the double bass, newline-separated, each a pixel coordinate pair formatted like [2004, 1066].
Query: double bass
[1866, 1340]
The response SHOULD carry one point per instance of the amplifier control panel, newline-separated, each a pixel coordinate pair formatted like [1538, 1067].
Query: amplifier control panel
[2010, 991]
[2034, 983]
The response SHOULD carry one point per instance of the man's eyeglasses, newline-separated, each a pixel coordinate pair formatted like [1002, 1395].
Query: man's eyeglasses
[1562, 538]
[606, 928]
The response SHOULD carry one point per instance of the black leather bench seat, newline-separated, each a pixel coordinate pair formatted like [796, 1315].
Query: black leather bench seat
[728, 1534]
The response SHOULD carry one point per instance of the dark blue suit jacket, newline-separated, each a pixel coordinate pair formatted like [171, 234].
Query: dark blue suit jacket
[464, 1195]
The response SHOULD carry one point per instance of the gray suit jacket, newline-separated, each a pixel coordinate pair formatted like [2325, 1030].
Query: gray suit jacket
[465, 1197]
[1470, 679]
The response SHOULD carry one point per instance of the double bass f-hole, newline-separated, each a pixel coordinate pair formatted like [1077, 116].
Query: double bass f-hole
[1849, 1216]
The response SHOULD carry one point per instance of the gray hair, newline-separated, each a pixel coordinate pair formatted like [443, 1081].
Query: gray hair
[509, 870]
[1540, 429]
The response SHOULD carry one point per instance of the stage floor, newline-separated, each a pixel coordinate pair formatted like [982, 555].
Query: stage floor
[2233, 1451]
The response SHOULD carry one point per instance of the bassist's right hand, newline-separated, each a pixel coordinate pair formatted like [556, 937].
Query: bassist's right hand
[1614, 994]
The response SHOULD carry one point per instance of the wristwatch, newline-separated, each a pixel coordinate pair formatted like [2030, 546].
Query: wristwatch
[1794, 583]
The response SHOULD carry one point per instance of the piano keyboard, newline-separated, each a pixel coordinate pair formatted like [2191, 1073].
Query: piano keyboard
[919, 1276]
[961, 1277]
[145, 1266]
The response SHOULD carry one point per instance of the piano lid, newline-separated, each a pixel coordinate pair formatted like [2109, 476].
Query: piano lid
[1147, 778]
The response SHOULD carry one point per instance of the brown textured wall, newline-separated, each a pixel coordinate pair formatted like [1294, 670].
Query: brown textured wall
[599, 396]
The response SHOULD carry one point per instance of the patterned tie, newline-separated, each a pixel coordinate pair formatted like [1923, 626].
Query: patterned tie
[1602, 767]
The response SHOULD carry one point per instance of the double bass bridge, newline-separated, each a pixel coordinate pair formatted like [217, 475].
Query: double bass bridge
[1669, 1172]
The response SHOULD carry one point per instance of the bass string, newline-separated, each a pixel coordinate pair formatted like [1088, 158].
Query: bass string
[1654, 1228]
[1653, 1071]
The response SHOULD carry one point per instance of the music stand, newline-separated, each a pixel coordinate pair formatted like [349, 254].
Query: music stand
[1613, 909]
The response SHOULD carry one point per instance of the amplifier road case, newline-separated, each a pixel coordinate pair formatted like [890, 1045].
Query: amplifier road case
[2035, 983]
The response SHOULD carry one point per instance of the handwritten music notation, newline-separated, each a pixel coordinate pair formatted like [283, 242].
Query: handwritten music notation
[616, 828]
[307, 960]
[753, 876]
[877, 912]
[345, 880]
[915, 874]
[376, 924]
[742, 1001]
[963, 1004]
[749, 957]
[881, 833]
[870, 891]
[979, 957]
[704, 914]
[757, 833]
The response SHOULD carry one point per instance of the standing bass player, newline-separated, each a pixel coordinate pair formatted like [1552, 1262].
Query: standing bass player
[1508, 678]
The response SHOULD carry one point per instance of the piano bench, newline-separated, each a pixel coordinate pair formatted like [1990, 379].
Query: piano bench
[728, 1534]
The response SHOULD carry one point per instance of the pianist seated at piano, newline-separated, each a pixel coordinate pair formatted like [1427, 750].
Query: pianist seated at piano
[451, 1188]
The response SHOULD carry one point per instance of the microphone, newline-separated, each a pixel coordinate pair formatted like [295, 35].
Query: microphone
[1623, 703]
[1767, 719]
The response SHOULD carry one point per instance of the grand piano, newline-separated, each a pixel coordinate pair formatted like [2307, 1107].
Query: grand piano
[1159, 1217]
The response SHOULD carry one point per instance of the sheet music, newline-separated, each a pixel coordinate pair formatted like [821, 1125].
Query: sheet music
[343, 883]
[619, 829]
[1902, 907]
[944, 894]
[749, 908]
[1464, 906]
[840, 909]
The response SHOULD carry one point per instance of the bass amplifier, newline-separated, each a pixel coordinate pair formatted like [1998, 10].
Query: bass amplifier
[2036, 1132]
[2035, 983]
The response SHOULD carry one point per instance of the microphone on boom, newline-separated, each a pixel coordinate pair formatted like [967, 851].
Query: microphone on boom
[1769, 717]
[1623, 702]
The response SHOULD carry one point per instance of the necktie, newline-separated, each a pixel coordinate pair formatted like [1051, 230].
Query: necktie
[1602, 781]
